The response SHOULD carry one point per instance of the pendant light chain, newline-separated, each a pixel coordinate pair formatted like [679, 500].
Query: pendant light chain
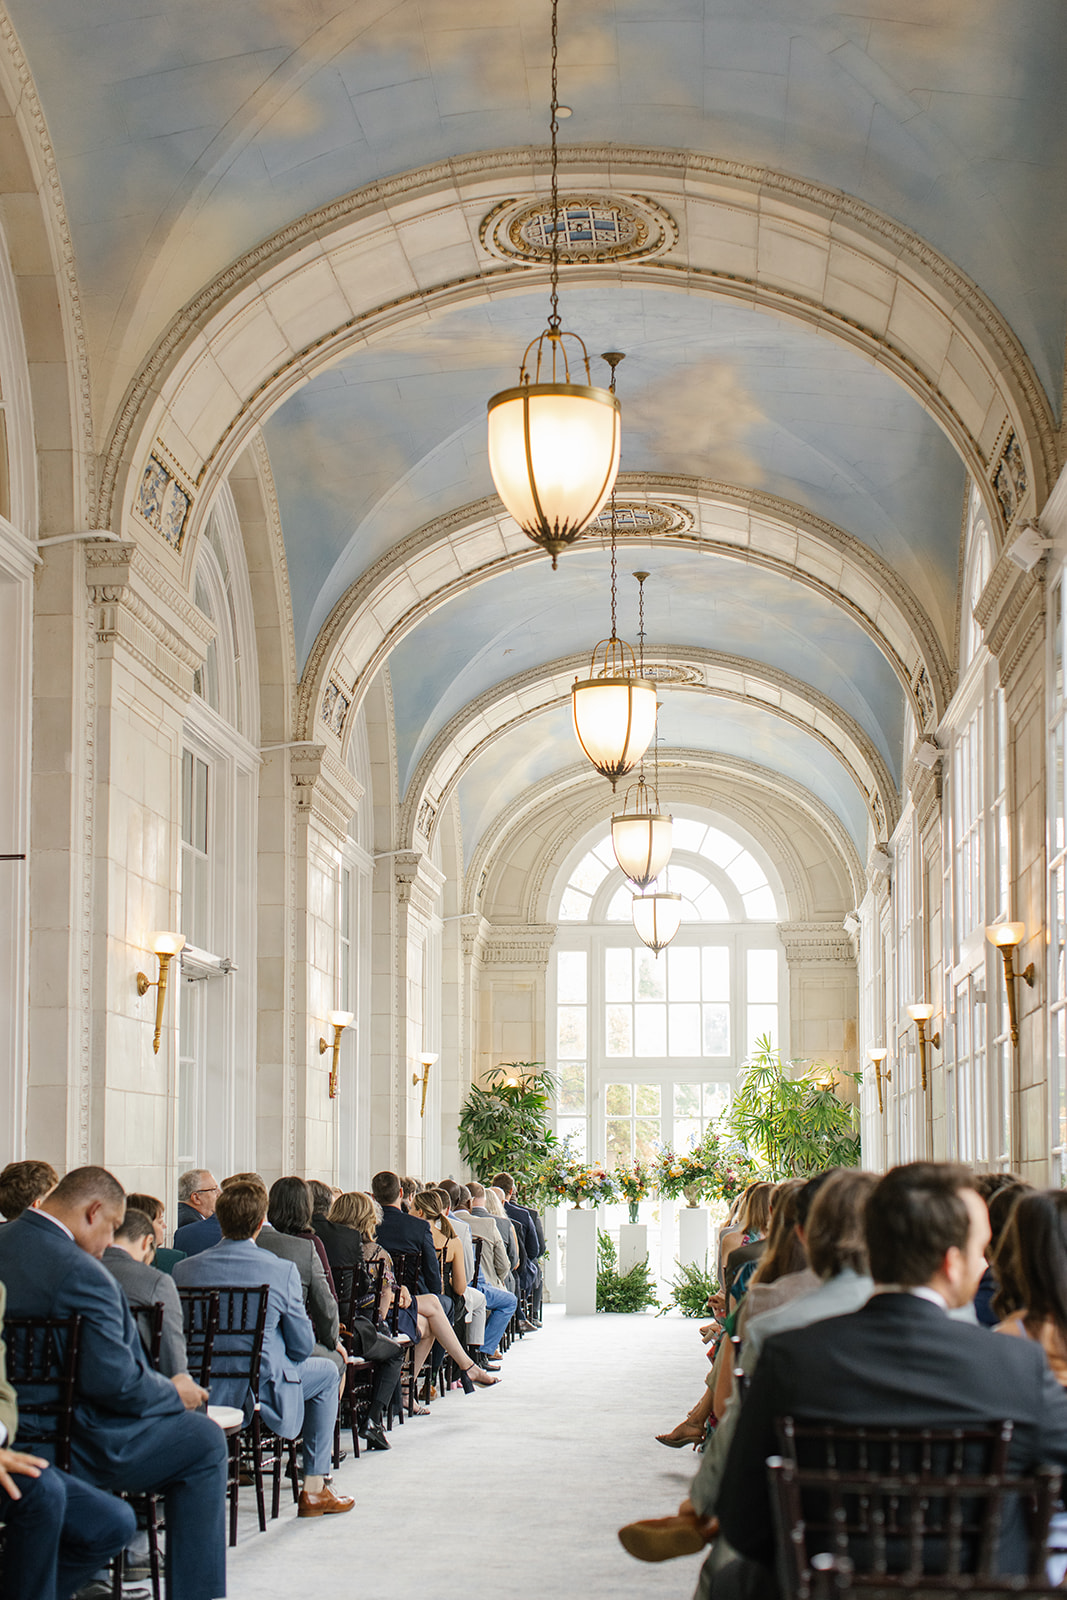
[554, 317]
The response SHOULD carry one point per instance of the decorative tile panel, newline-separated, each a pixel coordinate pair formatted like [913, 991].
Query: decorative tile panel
[589, 228]
[1010, 480]
[335, 707]
[164, 499]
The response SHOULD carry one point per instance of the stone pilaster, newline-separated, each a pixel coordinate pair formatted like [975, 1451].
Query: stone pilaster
[823, 993]
[513, 961]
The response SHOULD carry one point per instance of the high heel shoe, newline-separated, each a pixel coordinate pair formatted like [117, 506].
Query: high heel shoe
[475, 1375]
[685, 1433]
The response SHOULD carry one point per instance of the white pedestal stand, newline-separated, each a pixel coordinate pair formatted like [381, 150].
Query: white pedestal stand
[581, 1262]
[633, 1245]
[694, 1235]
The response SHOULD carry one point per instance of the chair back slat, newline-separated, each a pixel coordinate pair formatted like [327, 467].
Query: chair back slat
[42, 1367]
[359, 1291]
[406, 1264]
[224, 1332]
[898, 1509]
[149, 1320]
[479, 1246]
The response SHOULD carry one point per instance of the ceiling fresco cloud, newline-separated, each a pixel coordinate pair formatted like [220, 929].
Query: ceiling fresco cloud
[394, 435]
[544, 745]
[519, 620]
[188, 132]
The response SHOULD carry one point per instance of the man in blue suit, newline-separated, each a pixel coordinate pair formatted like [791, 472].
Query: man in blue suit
[533, 1243]
[133, 1428]
[198, 1226]
[297, 1391]
[399, 1231]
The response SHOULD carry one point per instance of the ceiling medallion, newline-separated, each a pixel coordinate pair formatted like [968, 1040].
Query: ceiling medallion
[634, 518]
[672, 672]
[591, 228]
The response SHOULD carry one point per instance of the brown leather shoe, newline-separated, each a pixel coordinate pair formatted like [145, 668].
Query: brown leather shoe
[323, 1504]
[663, 1538]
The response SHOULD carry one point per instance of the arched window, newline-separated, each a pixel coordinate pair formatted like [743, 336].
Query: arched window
[646, 1049]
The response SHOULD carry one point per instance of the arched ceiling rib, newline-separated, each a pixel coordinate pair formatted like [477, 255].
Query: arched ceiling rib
[483, 735]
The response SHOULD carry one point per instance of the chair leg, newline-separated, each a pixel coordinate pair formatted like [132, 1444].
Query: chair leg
[234, 1482]
[294, 1476]
[257, 1470]
[118, 1570]
[152, 1518]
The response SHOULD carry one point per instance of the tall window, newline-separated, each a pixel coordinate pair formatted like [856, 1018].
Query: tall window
[647, 1048]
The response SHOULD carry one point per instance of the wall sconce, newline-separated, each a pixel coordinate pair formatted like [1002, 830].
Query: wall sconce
[920, 1015]
[423, 1077]
[1007, 936]
[339, 1021]
[166, 947]
[877, 1056]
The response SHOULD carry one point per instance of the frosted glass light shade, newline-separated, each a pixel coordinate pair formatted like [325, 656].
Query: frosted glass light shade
[642, 844]
[657, 918]
[614, 719]
[168, 944]
[1007, 934]
[920, 1013]
[554, 453]
[341, 1019]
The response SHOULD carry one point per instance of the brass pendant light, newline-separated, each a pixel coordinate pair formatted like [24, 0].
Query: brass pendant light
[554, 444]
[657, 918]
[642, 834]
[614, 707]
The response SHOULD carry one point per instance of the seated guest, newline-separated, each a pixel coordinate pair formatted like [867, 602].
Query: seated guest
[423, 1321]
[322, 1198]
[297, 1390]
[533, 1241]
[24, 1184]
[134, 1429]
[198, 1227]
[57, 1530]
[341, 1238]
[492, 1271]
[129, 1260]
[291, 1238]
[898, 1361]
[432, 1206]
[748, 1232]
[999, 1190]
[164, 1260]
[486, 1203]
[1031, 1267]
[399, 1232]
[409, 1188]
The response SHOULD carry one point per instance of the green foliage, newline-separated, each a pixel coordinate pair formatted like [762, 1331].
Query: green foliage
[691, 1289]
[793, 1125]
[621, 1291]
[565, 1176]
[504, 1122]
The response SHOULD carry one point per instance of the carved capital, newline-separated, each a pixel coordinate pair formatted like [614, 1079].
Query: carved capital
[418, 882]
[323, 789]
[816, 943]
[518, 944]
[473, 930]
[1011, 614]
[924, 785]
[138, 611]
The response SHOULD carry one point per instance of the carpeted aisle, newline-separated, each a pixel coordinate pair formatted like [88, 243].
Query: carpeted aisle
[515, 1492]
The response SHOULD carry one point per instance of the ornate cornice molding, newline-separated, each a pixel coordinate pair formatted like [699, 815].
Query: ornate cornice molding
[324, 790]
[518, 944]
[925, 787]
[1011, 614]
[135, 607]
[812, 943]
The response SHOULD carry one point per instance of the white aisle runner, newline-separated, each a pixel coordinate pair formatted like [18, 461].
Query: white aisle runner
[513, 1493]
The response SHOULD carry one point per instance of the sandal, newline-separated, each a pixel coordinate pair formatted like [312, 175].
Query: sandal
[685, 1433]
[418, 1410]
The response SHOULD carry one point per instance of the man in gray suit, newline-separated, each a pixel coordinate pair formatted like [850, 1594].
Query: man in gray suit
[129, 1260]
[297, 1391]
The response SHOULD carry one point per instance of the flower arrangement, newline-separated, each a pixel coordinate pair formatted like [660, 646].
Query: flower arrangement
[689, 1173]
[565, 1177]
[635, 1183]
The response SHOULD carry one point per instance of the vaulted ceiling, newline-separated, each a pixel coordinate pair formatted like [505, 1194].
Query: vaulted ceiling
[807, 407]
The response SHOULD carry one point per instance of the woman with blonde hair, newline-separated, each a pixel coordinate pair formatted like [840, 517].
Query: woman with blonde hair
[423, 1321]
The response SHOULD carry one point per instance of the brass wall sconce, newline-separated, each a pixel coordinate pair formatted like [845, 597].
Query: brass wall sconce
[920, 1015]
[166, 947]
[881, 1073]
[423, 1077]
[1007, 936]
[339, 1021]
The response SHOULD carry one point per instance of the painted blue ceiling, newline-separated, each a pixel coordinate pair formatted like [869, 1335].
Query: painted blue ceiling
[518, 620]
[396, 435]
[545, 744]
[187, 130]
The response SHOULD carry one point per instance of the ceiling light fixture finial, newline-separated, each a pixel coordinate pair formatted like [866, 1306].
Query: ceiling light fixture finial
[642, 835]
[553, 444]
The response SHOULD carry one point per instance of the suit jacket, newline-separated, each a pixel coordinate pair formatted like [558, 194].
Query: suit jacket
[398, 1231]
[318, 1298]
[506, 1229]
[118, 1396]
[528, 1270]
[898, 1360]
[463, 1230]
[145, 1286]
[494, 1256]
[193, 1237]
[288, 1337]
[9, 1410]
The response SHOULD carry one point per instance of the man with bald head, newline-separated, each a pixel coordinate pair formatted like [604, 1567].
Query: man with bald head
[134, 1429]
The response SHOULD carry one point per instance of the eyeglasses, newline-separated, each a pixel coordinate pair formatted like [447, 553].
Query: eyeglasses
[213, 1190]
